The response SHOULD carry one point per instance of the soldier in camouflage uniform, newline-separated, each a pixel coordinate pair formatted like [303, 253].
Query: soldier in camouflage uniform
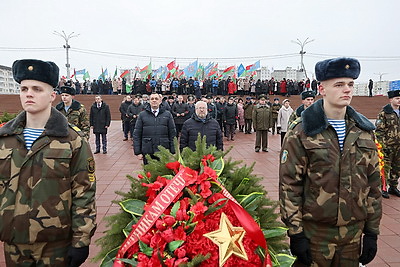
[388, 135]
[276, 106]
[47, 178]
[329, 187]
[74, 111]
[307, 98]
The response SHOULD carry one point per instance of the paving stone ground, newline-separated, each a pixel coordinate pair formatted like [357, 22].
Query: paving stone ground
[112, 168]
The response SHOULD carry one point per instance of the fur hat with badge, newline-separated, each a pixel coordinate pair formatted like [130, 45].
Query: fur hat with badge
[34, 69]
[307, 94]
[67, 90]
[393, 93]
[337, 68]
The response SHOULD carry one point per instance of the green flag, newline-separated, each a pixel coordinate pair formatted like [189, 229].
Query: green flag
[115, 73]
[86, 76]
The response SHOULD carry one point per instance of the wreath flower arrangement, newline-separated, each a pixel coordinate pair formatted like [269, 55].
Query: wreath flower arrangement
[195, 209]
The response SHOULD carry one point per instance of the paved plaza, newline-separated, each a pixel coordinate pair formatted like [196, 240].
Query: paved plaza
[112, 168]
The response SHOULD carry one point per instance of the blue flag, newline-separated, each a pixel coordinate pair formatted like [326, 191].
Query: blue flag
[254, 66]
[208, 68]
[241, 70]
[191, 70]
[80, 72]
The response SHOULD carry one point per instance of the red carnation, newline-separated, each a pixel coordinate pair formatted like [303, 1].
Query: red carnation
[169, 220]
[198, 208]
[180, 252]
[205, 189]
[173, 166]
[168, 235]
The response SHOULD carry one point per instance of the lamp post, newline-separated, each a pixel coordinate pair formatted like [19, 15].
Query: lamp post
[302, 52]
[380, 80]
[66, 46]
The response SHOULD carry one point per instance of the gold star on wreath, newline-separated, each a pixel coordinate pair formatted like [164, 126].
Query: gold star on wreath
[229, 240]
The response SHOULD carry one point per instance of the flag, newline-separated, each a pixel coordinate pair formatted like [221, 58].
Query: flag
[171, 65]
[146, 71]
[73, 74]
[214, 71]
[103, 74]
[80, 72]
[159, 71]
[86, 76]
[200, 72]
[126, 72]
[254, 66]
[191, 70]
[115, 73]
[208, 68]
[241, 71]
[128, 88]
[228, 71]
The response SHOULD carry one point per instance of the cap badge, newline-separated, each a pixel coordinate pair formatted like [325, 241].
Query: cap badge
[30, 68]
[347, 66]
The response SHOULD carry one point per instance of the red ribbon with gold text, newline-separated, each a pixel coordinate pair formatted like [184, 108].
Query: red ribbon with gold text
[165, 198]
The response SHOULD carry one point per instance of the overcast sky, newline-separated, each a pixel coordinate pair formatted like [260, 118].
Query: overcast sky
[226, 31]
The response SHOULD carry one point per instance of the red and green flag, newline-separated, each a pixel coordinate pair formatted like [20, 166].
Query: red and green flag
[146, 71]
[228, 71]
[214, 71]
[126, 72]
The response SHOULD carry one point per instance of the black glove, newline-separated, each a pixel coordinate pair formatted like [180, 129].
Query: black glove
[77, 256]
[369, 247]
[300, 247]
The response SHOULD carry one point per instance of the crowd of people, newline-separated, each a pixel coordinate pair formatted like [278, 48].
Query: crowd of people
[330, 186]
[192, 86]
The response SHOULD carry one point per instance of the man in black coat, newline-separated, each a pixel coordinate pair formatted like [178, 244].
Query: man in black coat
[179, 110]
[100, 119]
[201, 123]
[154, 127]
[133, 111]
[126, 120]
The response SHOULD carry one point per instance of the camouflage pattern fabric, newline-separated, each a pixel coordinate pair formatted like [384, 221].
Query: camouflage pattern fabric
[319, 183]
[334, 246]
[388, 135]
[77, 115]
[47, 194]
[296, 114]
[275, 110]
[41, 254]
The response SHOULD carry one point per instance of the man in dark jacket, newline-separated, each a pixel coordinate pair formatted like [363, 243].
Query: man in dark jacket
[154, 127]
[229, 117]
[100, 119]
[133, 111]
[126, 120]
[201, 123]
[179, 111]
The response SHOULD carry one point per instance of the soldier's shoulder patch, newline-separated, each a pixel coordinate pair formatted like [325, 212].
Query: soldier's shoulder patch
[76, 129]
[294, 123]
[377, 122]
[284, 156]
[91, 165]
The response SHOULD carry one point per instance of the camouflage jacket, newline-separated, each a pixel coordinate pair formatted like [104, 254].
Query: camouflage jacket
[76, 115]
[321, 184]
[388, 127]
[296, 114]
[262, 117]
[47, 193]
[275, 110]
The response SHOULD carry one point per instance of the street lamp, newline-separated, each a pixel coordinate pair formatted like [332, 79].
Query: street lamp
[66, 46]
[302, 52]
[380, 80]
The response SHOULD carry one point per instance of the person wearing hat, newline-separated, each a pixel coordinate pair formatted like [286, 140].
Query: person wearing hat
[329, 178]
[248, 115]
[307, 99]
[388, 135]
[262, 122]
[74, 111]
[229, 118]
[276, 106]
[283, 118]
[47, 177]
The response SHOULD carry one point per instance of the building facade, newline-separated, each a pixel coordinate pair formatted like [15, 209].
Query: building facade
[7, 83]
